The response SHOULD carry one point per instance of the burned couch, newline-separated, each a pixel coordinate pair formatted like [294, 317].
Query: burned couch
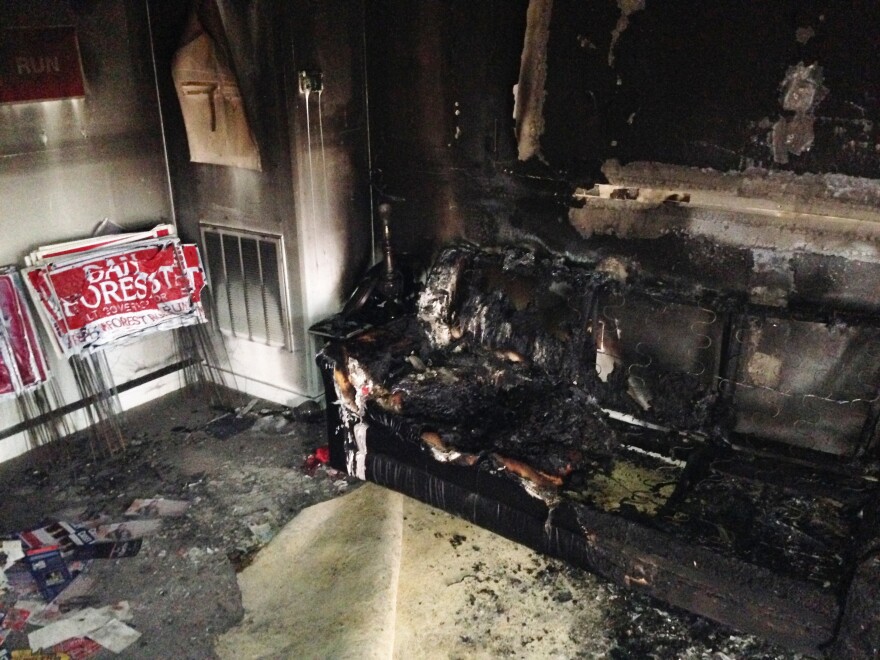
[672, 440]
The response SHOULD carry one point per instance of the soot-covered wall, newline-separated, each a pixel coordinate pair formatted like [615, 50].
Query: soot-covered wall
[772, 100]
[441, 104]
[714, 84]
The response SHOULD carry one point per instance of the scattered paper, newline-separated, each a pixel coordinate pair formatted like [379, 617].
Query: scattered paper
[32, 606]
[13, 551]
[78, 648]
[82, 517]
[16, 619]
[77, 590]
[120, 611]
[115, 636]
[24, 654]
[79, 624]
[63, 534]
[108, 549]
[49, 614]
[21, 582]
[157, 507]
[10, 552]
[130, 529]
[49, 570]
[102, 625]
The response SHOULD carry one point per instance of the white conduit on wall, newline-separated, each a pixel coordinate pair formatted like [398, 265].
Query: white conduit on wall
[321, 287]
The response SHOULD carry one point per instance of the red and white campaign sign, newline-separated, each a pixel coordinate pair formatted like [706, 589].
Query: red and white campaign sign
[40, 64]
[22, 363]
[110, 295]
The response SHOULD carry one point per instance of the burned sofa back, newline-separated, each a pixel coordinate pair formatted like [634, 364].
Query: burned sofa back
[694, 360]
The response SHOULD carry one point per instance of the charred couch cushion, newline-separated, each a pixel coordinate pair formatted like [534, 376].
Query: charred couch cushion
[501, 362]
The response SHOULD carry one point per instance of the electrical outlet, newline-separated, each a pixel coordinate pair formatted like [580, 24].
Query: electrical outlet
[310, 81]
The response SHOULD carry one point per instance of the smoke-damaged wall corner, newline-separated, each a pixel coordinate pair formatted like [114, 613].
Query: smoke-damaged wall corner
[671, 96]
[312, 191]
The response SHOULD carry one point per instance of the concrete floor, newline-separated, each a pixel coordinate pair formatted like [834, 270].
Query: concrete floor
[369, 575]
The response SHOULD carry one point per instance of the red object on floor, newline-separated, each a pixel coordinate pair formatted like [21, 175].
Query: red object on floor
[321, 456]
[16, 619]
[79, 648]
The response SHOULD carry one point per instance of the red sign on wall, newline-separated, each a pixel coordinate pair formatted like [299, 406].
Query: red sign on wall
[39, 64]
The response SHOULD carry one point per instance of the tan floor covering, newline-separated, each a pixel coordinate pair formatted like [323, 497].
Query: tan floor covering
[377, 575]
[325, 587]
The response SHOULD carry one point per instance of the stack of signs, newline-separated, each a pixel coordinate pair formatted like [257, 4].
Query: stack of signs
[111, 289]
[22, 363]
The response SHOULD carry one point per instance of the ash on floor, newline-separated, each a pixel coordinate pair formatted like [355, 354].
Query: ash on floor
[242, 489]
[181, 586]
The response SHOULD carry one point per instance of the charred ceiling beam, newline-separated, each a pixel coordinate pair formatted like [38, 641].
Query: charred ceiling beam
[530, 90]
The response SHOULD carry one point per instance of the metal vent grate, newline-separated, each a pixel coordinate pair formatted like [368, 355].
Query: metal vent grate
[247, 278]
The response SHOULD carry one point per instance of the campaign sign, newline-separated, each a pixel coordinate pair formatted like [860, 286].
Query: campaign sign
[40, 64]
[110, 295]
[22, 363]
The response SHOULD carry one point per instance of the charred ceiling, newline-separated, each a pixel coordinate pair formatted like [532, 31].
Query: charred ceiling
[781, 85]
[772, 101]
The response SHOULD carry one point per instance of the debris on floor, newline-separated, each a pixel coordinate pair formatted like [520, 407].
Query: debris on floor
[105, 626]
[181, 587]
[321, 456]
[269, 420]
[229, 425]
[58, 557]
[49, 570]
[308, 411]
[179, 506]
[55, 607]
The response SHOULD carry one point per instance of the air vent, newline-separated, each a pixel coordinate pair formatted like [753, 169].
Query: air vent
[247, 279]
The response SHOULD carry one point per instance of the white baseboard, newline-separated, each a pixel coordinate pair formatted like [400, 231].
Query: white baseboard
[257, 388]
[18, 444]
